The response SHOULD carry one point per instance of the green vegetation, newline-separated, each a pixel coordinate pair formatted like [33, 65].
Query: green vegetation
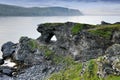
[59, 59]
[105, 31]
[33, 44]
[47, 52]
[76, 28]
[74, 72]
[71, 72]
[112, 77]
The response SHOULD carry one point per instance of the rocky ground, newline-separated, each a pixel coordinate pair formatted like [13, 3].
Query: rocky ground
[81, 52]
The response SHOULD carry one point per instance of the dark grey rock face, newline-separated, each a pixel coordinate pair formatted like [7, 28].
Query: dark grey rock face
[88, 46]
[25, 54]
[104, 23]
[110, 63]
[60, 30]
[1, 61]
[8, 49]
[37, 72]
[113, 50]
[82, 44]
[6, 70]
[5, 77]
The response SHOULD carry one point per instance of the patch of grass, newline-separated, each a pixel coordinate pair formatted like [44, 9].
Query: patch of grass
[74, 69]
[33, 44]
[112, 77]
[73, 72]
[104, 31]
[76, 28]
[67, 60]
[47, 52]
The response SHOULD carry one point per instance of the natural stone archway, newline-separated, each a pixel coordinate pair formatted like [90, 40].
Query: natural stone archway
[58, 30]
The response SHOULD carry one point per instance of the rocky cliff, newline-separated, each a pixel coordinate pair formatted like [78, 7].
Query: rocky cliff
[81, 52]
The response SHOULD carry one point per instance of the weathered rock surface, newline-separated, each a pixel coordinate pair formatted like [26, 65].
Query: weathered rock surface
[116, 37]
[6, 70]
[8, 49]
[25, 54]
[113, 50]
[5, 77]
[110, 63]
[37, 59]
[1, 61]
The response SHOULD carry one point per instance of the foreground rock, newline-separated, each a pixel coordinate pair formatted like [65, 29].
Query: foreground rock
[38, 59]
[8, 49]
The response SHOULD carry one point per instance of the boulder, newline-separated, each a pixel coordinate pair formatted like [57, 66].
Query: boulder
[26, 53]
[104, 23]
[116, 37]
[5, 77]
[8, 49]
[1, 61]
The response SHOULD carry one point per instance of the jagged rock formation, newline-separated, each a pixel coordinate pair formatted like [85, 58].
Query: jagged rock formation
[38, 59]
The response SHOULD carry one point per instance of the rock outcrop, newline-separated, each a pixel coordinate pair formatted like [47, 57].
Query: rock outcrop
[38, 59]
[8, 49]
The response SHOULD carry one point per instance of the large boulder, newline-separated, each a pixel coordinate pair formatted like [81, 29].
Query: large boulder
[8, 49]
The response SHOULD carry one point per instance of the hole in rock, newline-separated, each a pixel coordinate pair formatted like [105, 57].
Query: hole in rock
[54, 38]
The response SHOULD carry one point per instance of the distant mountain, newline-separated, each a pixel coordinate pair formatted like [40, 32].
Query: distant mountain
[94, 0]
[10, 10]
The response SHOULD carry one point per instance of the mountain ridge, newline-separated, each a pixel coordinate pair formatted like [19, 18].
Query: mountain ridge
[12, 10]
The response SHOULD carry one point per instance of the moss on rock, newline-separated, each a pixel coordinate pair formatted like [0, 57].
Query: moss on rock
[76, 28]
[105, 31]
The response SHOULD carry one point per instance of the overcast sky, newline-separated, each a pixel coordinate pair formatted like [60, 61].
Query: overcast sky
[93, 7]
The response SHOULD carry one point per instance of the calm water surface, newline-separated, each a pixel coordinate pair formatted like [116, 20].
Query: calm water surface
[12, 28]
